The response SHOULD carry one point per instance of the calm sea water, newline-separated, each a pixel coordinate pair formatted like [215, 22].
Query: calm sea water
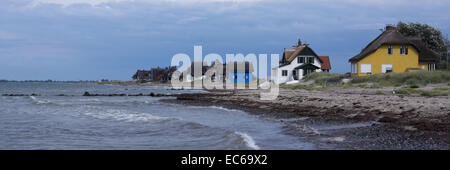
[76, 122]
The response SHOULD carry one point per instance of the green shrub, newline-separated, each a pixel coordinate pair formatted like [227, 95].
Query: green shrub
[401, 91]
[414, 86]
[379, 93]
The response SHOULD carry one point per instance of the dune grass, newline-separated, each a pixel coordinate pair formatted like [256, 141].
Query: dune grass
[412, 79]
[322, 77]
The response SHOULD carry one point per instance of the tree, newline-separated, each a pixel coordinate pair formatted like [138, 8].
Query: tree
[432, 37]
[446, 49]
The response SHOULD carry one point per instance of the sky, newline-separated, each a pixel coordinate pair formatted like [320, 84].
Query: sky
[111, 39]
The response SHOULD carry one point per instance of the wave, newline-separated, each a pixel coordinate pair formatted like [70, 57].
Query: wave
[89, 100]
[248, 140]
[348, 126]
[37, 101]
[305, 128]
[127, 116]
[214, 107]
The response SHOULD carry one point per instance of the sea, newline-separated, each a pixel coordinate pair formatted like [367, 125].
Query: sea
[73, 121]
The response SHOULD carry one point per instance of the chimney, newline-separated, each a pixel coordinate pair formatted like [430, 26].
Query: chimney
[299, 43]
[389, 27]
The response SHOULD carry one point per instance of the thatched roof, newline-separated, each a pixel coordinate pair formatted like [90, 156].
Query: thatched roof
[290, 54]
[425, 54]
[392, 36]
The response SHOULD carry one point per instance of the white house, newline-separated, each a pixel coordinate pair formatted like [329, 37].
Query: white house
[298, 62]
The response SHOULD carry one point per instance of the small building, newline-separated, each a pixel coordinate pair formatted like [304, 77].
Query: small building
[155, 74]
[325, 66]
[242, 72]
[298, 62]
[238, 72]
[393, 52]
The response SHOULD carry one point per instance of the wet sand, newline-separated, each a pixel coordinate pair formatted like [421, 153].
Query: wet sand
[353, 118]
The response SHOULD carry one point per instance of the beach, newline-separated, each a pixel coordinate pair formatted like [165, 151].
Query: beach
[368, 120]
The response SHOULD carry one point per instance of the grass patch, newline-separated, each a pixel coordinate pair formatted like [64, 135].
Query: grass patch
[304, 87]
[409, 78]
[434, 93]
[379, 93]
[421, 92]
[409, 91]
[442, 88]
[321, 77]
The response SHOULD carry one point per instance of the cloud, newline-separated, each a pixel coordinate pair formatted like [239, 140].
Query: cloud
[8, 36]
[66, 3]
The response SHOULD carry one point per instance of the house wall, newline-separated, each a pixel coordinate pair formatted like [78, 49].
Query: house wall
[283, 79]
[400, 62]
[241, 77]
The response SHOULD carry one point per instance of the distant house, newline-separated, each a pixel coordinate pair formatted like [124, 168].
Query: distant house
[242, 72]
[190, 75]
[298, 62]
[156, 74]
[239, 72]
[325, 66]
[393, 52]
[141, 75]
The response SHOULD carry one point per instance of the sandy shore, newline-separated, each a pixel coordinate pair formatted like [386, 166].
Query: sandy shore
[383, 121]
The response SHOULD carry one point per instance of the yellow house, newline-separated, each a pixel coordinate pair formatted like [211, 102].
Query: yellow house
[392, 52]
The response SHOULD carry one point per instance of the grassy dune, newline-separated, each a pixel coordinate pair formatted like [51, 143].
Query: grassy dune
[411, 83]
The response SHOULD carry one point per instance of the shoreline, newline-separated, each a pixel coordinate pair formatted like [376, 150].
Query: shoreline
[398, 126]
[426, 113]
[129, 83]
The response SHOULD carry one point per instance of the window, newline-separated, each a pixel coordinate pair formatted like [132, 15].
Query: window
[300, 59]
[284, 73]
[366, 68]
[431, 67]
[390, 50]
[311, 60]
[403, 50]
[386, 68]
[355, 68]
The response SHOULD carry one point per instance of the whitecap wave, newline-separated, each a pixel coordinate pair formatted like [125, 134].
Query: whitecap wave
[214, 107]
[248, 140]
[37, 101]
[127, 116]
[89, 100]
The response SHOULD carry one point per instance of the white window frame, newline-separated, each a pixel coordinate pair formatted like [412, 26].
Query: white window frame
[282, 71]
[390, 50]
[299, 58]
[403, 50]
[364, 67]
[383, 69]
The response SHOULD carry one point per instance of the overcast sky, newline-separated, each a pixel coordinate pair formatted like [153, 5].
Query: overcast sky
[95, 39]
